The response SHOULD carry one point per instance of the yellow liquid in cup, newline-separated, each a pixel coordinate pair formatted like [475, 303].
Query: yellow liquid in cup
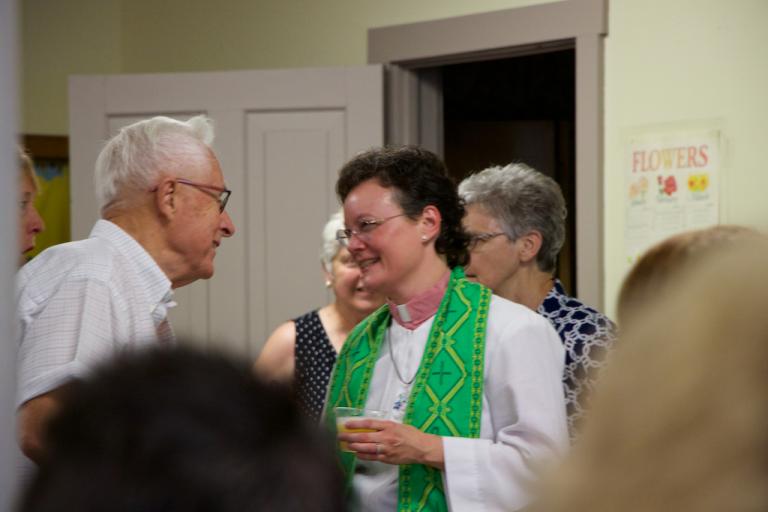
[341, 428]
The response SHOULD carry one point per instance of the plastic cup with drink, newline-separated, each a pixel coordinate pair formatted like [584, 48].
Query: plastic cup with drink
[345, 414]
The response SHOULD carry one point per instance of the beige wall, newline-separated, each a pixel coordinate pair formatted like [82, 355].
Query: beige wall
[667, 61]
[687, 61]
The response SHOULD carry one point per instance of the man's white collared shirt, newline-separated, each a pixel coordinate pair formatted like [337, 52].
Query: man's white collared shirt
[81, 302]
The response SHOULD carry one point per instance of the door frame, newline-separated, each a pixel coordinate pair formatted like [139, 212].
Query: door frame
[414, 114]
[9, 256]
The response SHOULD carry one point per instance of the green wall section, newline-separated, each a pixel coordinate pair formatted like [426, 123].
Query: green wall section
[63, 37]
[60, 38]
[244, 34]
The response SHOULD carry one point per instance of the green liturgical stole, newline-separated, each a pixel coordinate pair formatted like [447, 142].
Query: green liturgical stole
[447, 394]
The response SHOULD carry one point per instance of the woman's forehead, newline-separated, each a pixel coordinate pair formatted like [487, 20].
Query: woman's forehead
[369, 198]
[478, 215]
[28, 186]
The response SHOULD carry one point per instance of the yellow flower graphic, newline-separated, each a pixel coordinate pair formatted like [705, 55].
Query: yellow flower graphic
[698, 182]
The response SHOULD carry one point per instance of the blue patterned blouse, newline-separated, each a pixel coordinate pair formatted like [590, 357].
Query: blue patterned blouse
[587, 335]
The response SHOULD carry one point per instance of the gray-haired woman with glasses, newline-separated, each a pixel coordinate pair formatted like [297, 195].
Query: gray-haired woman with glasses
[303, 350]
[516, 223]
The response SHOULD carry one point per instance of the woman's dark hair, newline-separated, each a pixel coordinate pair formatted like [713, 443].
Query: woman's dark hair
[420, 179]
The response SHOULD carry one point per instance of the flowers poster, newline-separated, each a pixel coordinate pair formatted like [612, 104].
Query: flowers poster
[671, 185]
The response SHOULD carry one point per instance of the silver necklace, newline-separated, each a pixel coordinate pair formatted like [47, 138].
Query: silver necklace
[392, 358]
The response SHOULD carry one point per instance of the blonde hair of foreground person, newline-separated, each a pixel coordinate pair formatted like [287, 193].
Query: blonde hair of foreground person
[655, 268]
[680, 421]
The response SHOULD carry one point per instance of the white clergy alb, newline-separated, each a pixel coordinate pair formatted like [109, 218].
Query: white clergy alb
[81, 302]
[523, 419]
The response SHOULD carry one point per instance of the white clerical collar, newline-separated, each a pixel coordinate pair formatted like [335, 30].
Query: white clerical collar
[420, 308]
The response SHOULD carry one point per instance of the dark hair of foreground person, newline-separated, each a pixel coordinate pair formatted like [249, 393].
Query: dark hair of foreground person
[175, 430]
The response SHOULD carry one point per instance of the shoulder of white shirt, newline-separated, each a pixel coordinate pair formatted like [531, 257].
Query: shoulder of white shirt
[503, 312]
[88, 258]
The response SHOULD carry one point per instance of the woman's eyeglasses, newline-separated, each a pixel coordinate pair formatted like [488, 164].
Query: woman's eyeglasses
[363, 230]
[477, 238]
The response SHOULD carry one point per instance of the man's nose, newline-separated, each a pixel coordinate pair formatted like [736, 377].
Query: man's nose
[227, 226]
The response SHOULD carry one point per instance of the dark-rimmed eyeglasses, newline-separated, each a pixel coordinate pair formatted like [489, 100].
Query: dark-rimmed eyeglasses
[363, 230]
[222, 196]
[477, 238]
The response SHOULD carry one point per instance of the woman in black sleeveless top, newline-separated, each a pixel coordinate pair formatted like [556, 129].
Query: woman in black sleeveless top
[303, 350]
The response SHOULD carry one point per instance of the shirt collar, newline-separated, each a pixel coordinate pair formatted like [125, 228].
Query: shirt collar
[151, 276]
[420, 308]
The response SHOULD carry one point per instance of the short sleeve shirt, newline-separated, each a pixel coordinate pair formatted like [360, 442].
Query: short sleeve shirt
[81, 302]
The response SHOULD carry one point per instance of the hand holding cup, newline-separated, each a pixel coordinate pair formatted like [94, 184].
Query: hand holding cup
[345, 414]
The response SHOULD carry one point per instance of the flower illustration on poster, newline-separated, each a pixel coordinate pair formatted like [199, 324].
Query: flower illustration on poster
[638, 190]
[667, 185]
[672, 184]
[698, 186]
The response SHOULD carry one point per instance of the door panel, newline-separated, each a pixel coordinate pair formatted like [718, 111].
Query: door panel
[296, 156]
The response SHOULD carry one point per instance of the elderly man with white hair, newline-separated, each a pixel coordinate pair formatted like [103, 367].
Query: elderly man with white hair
[162, 196]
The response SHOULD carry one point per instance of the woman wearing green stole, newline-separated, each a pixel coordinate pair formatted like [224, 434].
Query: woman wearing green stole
[470, 382]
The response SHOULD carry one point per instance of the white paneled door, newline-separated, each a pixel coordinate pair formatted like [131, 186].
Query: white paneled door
[281, 137]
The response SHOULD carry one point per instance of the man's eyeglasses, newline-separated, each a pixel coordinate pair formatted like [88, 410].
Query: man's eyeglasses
[476, 238]
[222, 196]
[363, 230]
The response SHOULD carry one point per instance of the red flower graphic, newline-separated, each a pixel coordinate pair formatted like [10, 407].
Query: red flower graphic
[670, 185]
[667, 185]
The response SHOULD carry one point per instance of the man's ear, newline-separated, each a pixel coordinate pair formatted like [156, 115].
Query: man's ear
[529, 245]
[430, 223]
[165, 197]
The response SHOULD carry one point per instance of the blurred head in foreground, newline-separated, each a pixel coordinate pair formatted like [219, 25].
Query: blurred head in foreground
[681, 419]
[658, 266]
[174, 430]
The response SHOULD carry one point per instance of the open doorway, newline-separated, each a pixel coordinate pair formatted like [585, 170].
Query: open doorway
[519, 109]
[415, 55]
